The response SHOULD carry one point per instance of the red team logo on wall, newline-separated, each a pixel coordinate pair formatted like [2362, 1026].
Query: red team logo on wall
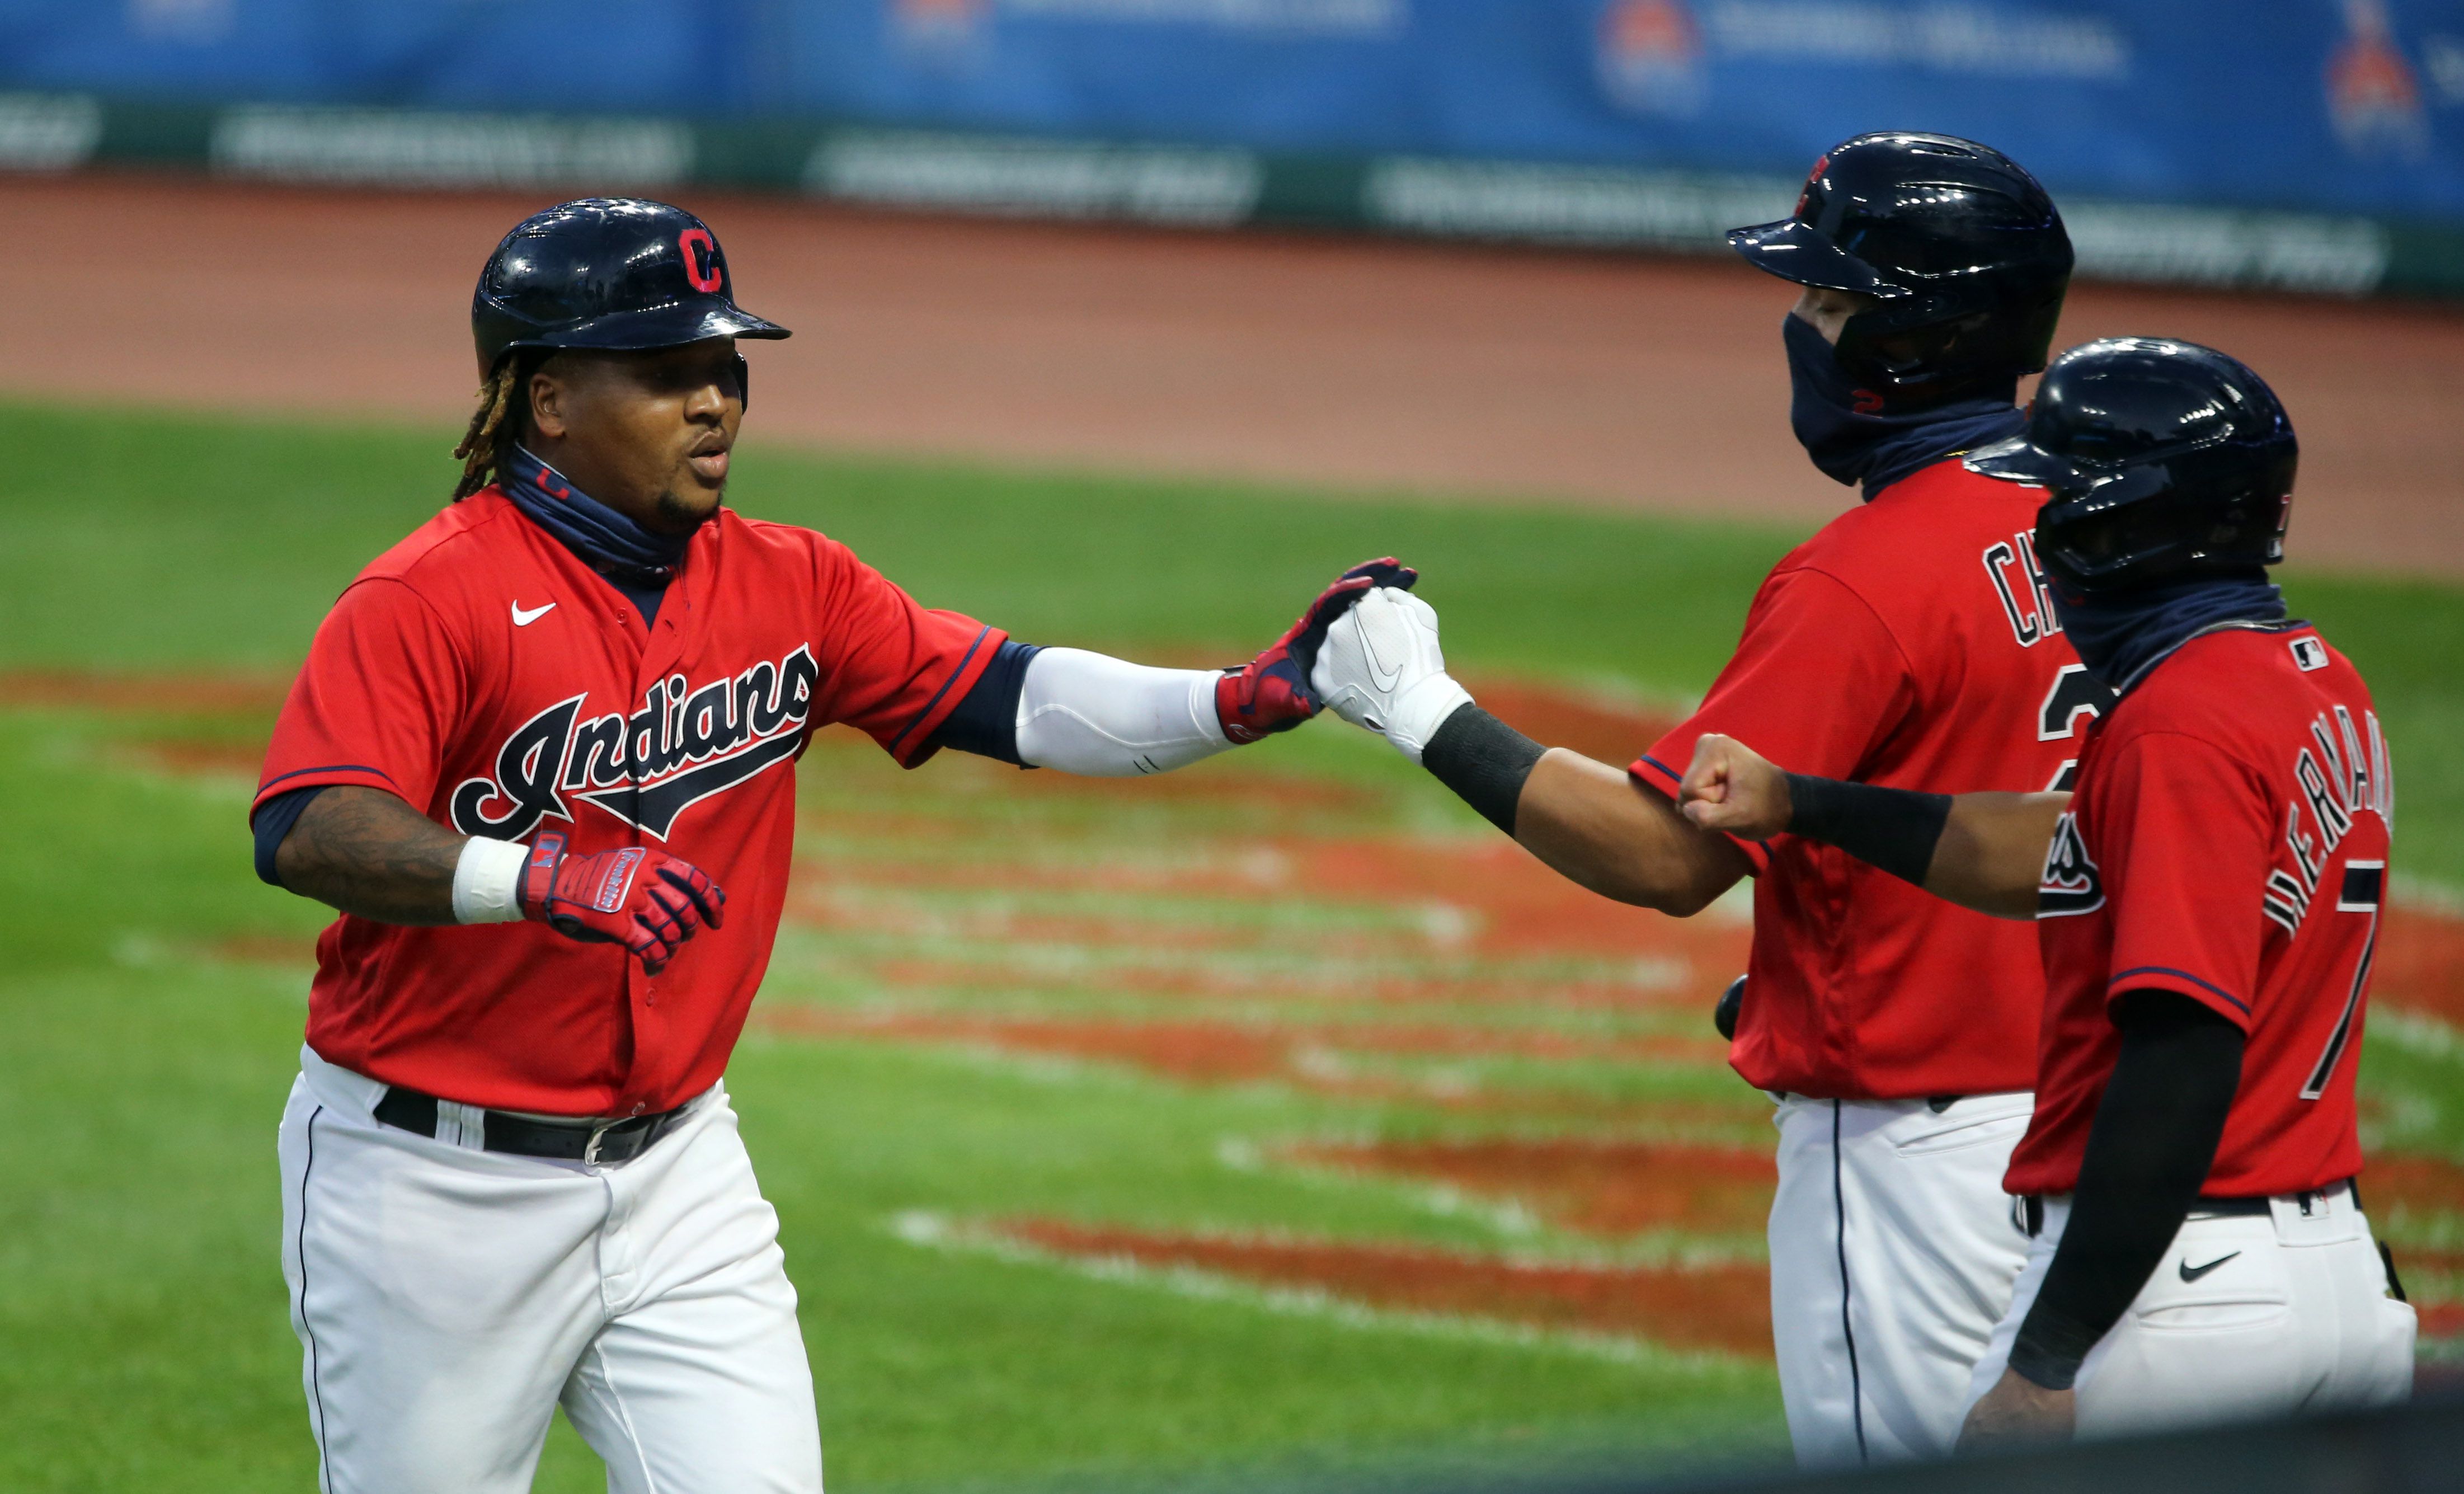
[2373, 97]
[1651, 57]
[943, 28]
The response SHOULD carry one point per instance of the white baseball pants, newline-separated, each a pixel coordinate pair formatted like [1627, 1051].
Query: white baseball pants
[2248, 1316]
[1893, 1251]
[448, 1299]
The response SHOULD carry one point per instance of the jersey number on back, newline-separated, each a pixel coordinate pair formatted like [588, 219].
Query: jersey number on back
[2364, 889]
[2074, 693]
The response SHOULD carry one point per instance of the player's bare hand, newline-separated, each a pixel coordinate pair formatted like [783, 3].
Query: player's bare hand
[1272, 692]
[646, 900]
[2017, 1411]
[1732, 788]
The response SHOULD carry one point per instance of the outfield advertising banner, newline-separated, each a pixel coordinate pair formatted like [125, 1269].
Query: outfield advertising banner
[2301, 145]
[2342, 105]
[2352, 106]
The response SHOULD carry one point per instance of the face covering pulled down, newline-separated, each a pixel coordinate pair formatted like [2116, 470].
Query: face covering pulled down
[1845, 431]
[616, 547]
[2122, 635]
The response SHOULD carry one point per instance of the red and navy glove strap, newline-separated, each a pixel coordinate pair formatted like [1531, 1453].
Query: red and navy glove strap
[538, 874]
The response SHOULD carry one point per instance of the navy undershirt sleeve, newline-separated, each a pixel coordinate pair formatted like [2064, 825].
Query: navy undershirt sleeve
[272, 824]
[985, 720]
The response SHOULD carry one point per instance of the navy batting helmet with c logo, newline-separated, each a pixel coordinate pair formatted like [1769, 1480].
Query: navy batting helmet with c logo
[614, 273]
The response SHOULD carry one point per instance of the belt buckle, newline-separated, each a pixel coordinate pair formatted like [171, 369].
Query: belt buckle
[590, 1147]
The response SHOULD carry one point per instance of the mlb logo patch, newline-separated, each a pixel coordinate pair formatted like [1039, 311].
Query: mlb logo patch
[2309, 654]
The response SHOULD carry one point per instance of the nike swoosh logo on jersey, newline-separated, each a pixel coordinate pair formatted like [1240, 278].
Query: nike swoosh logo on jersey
[2191, 1273]
[523, 619]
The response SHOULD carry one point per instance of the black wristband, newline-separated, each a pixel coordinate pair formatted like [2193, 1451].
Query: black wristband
[1895, 829]
[1484, 760]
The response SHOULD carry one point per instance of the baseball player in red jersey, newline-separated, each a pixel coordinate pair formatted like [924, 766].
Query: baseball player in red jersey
[2206, 904]
[1909, 641]
[541, 757]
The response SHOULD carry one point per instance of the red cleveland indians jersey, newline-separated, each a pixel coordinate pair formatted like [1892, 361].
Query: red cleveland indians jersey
[2228, 842]
[483, 672]
[1909, 644]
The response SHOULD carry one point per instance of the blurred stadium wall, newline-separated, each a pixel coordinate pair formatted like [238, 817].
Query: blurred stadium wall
[2304, 144]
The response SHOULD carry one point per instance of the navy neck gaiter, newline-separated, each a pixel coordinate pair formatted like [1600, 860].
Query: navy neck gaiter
[616, 547]
[1844, 431]
[2122, 636]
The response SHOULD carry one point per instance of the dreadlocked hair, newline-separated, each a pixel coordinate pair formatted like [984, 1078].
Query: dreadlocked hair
[495, 424]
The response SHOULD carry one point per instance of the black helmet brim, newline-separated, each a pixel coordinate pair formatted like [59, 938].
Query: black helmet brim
[2021, 461]
[667, 326]
[1797, 252]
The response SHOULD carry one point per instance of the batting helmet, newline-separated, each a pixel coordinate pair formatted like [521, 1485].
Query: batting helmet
[2160, 460]
[616, 273]
[1962, 250]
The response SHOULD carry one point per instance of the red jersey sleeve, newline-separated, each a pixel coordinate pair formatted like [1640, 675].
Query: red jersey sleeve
[895, 669]
[1814, 684]
[2188, 830]
[383, 689]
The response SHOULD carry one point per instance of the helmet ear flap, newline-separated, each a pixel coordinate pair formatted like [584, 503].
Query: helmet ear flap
[743, 382]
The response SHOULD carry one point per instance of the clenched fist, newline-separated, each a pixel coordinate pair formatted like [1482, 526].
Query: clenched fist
[1731, 788]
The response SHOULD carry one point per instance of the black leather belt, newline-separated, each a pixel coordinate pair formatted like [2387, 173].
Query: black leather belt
[2208, 1208]
[2030, 1210]
[591, 1143]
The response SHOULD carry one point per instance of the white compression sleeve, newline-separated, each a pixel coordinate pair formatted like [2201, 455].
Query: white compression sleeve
[1105, 717]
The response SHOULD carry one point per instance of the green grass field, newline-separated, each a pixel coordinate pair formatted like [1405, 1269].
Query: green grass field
[927, 1075]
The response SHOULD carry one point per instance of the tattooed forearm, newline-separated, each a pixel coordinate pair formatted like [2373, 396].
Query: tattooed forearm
[366, 853]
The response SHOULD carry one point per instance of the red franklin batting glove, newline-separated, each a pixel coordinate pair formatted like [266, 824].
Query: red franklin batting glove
[646, 900]
[1272, 692]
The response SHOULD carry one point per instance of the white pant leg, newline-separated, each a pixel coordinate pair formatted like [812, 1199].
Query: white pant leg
[1809, 1317]
[446, 1297]
[1893, 1251]
[2289, 1315]
[698, 1384]
[441, 1296]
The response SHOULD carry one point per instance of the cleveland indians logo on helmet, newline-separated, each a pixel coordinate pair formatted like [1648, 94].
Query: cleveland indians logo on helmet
[701, 259]
[1813, 179]
[647, 768]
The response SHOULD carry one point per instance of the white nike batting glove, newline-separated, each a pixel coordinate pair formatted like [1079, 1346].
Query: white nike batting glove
[1381, 667]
